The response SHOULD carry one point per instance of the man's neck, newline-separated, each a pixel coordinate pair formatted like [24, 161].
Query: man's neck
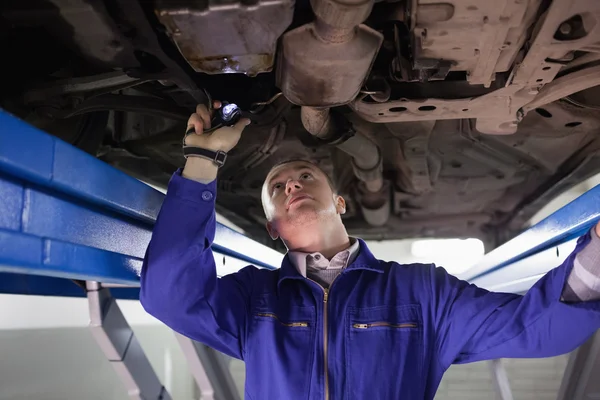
[328, 242]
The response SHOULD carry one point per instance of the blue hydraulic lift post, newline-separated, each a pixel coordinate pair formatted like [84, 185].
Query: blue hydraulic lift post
[519, 263]
[65, 215]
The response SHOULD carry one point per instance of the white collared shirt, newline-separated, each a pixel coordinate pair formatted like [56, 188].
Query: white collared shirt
[310, 263]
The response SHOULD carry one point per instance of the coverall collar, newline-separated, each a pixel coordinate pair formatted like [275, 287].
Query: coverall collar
[364, 261]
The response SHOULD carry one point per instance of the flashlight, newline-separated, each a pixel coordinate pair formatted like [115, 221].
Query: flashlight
[228, 115]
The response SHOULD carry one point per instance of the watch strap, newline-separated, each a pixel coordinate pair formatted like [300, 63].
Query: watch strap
[218, 157]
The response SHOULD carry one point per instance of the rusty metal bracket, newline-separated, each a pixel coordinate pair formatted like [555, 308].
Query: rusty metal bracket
[531, 85]
[565, 86]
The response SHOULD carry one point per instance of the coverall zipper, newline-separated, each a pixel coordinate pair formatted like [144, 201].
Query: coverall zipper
[290, 324]
[325, 333]
[376, 324]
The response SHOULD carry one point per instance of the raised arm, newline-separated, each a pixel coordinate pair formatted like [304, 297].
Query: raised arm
[179, 283]
[473, 324]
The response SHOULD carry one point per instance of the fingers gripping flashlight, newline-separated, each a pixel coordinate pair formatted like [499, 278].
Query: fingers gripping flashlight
[228, 115]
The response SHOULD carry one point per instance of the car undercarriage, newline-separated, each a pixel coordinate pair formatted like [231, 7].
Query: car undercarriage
[459, 118]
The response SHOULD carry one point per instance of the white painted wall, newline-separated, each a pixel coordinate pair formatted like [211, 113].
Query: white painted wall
[41, 312]
[47, 351]
[66, 364]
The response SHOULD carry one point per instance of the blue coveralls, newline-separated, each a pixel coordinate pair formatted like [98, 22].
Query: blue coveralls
[383, 330]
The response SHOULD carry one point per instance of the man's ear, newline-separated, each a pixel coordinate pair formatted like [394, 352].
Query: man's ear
[340, 204]
[272, 231]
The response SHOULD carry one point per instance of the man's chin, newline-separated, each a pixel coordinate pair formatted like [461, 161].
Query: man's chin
[302, 215]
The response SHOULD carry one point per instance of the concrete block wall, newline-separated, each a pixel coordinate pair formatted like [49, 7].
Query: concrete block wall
[530, 379]
[538, 379]
[66, 364]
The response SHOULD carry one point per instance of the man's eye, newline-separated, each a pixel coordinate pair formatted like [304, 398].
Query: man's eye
[305, 175]
[277, 186]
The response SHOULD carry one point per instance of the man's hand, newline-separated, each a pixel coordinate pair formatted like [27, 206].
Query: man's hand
[224, 139]
[598, 229]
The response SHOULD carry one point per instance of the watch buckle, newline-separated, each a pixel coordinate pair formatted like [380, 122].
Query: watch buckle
[220, 158]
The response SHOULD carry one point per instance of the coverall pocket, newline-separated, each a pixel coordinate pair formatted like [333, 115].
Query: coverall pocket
[281, 339]
[384, 351]
[275, 317]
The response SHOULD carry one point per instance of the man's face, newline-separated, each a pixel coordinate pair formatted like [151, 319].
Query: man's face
[296, 194]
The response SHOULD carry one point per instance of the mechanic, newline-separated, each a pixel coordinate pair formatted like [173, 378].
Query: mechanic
[334, 322]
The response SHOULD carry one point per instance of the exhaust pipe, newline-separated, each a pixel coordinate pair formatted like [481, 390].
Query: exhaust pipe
[324, 64]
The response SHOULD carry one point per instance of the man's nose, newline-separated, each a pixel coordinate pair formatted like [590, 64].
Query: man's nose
[292, 186]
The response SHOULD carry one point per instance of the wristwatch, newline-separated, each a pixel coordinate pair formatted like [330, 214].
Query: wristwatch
[218, 157]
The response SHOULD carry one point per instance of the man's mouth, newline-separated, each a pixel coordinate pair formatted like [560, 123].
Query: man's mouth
[297, 198]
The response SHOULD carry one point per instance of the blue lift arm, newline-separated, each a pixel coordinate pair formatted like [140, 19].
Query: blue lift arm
[66, 216]
[519, 263]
